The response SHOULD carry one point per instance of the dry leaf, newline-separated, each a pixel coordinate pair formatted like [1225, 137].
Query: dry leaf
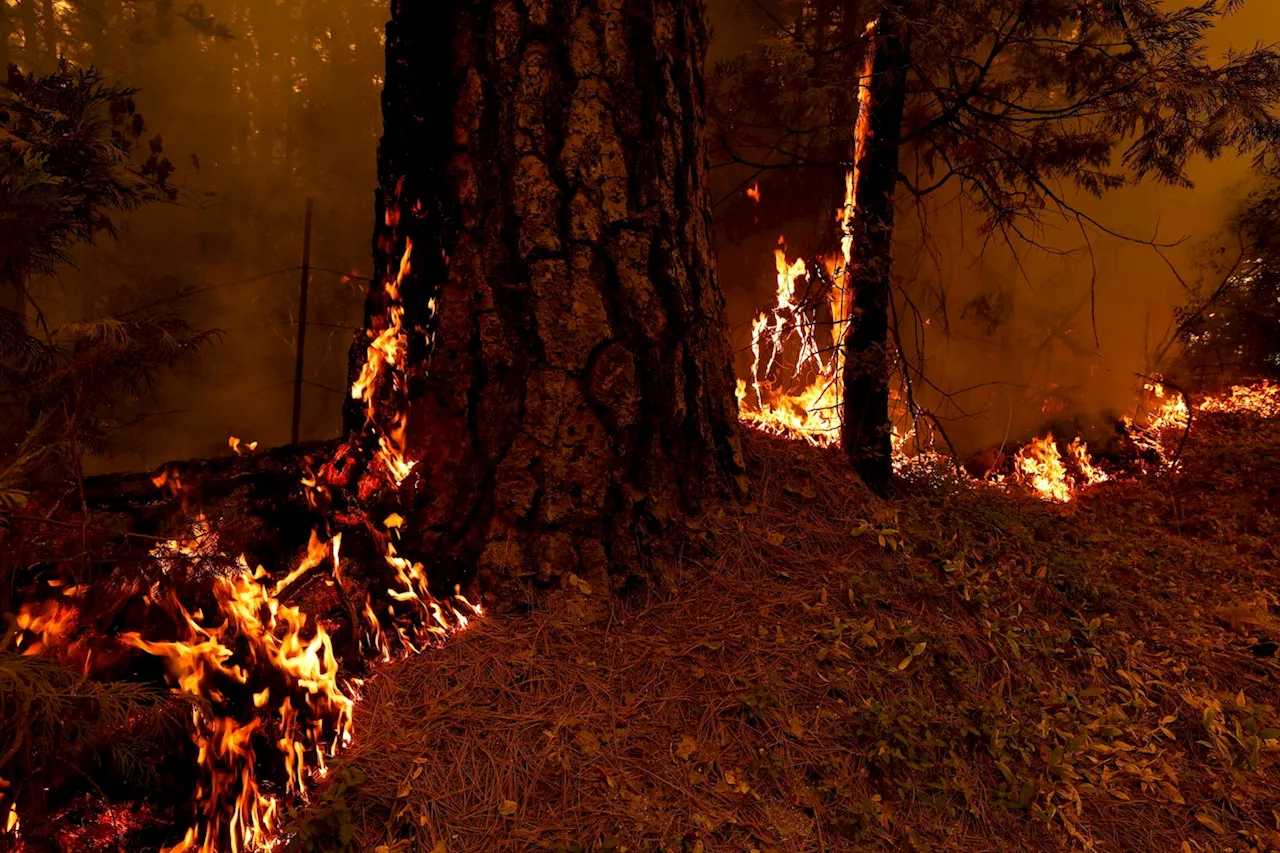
[588, 741]
[777, 538]
[507, 808]
[686, 748]
[1211, 823]
[795, 728]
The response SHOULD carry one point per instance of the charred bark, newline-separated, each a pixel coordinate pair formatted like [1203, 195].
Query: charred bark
[865, 426]
[544, 206]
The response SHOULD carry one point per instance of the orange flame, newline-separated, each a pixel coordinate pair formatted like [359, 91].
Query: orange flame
[1262, 399]
[235, 444]
[1092, 474]
[275, 638]
[1039, 465]
[806, 403]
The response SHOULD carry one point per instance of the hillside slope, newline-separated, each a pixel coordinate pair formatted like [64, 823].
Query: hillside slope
[959, 669]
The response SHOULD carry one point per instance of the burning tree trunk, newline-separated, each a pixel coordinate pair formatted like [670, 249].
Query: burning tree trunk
[865, 426]
[544, 237]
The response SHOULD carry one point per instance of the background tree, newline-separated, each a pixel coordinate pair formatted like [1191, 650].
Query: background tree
[71, 156]
[68, 144]
[1230, 329]
[1019, 108]
[264, 104]
[549, 245]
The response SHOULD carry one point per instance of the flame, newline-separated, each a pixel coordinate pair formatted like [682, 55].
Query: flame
[257, 636]
[49, 622]
[1039, 465]
[235, 444]
[1169, 412]
[1079, 451]
[793, 407]
[753, 192]
[385, 361]
[1262, 399]
[806, 402]
[1159, 413]
[275, 706]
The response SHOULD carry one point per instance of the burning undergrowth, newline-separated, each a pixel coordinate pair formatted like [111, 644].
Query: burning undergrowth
[793, 386]
[265, 665]
[265, 657]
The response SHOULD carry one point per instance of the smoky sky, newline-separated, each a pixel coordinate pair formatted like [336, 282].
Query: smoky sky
[288, 108]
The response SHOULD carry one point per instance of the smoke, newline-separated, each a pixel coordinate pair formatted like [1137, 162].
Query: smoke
[259, 104]
[1014, 337]
[288, 108]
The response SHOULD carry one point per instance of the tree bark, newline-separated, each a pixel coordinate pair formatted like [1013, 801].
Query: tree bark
[544, 216]
[865, 427]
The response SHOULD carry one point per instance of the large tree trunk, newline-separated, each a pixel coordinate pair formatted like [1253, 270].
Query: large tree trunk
[865, 425]
[545, 221]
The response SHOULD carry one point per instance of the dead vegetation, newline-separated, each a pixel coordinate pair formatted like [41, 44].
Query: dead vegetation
[954, 670]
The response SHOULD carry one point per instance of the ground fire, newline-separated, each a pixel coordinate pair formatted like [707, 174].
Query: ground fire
[760, 425]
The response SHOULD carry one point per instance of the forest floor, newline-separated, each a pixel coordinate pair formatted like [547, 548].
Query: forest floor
[958, 669]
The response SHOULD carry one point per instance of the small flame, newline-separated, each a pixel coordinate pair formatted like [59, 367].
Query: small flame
[1079, 451]
[753, 192]
[235, 444]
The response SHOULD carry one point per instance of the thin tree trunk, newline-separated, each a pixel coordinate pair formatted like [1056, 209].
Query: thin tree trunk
[865, 427]
[545, 217]
[5, 29]
[98, 33]
[30, 42]
[50, 33]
